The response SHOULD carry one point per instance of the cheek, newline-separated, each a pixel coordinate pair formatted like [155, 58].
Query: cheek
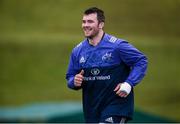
[95, 27]
[82, 25]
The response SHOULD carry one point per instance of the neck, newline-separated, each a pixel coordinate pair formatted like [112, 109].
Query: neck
[95, 40]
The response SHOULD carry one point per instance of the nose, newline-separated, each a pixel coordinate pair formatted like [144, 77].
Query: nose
[85, 24]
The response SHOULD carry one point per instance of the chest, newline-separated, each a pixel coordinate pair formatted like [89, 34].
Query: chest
[99, 57]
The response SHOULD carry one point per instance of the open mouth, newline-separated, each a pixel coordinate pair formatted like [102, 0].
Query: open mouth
[87, 30]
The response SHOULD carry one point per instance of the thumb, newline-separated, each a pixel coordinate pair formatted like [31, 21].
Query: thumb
[82, 72]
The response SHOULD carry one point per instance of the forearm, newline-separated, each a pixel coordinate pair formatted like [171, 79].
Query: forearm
[137, 72]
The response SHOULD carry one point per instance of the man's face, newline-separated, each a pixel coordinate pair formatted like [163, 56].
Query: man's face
[90, 25]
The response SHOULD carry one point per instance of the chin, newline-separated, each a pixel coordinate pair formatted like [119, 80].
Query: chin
[89, 36]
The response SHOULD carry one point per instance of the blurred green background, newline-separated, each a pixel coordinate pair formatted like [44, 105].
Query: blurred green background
[37, 36]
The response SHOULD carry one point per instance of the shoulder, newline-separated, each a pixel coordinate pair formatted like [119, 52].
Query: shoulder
[79, 47]
[114, 40]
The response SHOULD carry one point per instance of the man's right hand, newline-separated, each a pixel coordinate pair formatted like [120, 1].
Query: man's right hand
[78, 79]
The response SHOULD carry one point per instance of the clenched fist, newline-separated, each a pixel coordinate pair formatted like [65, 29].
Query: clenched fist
[123, 89]
[78, 79]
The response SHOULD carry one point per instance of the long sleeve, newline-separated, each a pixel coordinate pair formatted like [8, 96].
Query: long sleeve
[136, 60]
[72, 71]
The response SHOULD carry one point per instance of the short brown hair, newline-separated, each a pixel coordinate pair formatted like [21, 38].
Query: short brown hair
[100, 13]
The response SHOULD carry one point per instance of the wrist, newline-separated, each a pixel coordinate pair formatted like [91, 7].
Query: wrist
[125, 87]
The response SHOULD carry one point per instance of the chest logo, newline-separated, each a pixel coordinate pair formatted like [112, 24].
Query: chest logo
[82, 60]
[107, 57]
[95, 71]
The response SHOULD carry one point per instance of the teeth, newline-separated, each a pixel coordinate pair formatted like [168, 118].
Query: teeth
[88, 29]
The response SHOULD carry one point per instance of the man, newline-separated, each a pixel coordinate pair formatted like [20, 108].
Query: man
[106, 69]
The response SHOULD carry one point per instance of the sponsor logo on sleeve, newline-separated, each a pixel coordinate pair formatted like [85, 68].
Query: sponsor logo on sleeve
[112, 39]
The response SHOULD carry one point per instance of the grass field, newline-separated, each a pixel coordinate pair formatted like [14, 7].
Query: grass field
[35, 72]
[37, 36]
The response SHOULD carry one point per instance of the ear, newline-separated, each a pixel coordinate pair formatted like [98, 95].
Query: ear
[101, 25]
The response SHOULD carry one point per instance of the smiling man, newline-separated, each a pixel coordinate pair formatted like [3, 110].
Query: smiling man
[106, 68]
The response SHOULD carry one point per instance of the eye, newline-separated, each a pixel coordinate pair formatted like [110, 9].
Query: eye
[90, 21]
[83, 21]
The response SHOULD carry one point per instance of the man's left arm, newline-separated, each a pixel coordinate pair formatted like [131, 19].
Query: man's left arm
[137, 62]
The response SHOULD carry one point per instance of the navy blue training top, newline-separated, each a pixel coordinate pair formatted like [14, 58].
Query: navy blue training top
[111, 62]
